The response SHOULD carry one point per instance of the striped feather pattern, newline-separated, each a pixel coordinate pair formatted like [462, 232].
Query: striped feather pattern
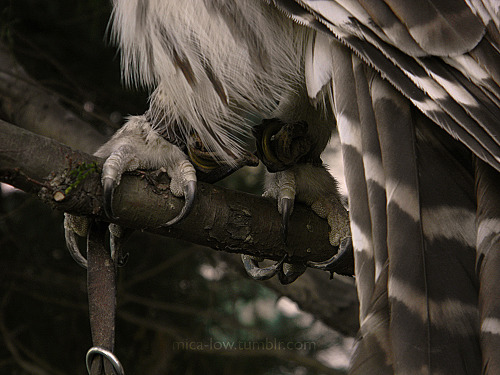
[420, 69]
[427, 305]
[488, 263]
[415, 274]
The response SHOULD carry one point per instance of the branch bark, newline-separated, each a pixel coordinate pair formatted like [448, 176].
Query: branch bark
[229, 220]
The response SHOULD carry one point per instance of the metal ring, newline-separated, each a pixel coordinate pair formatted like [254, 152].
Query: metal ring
[108, 355]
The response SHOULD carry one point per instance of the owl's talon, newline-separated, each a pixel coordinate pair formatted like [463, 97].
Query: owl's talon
[108, 191]
[342, 262]
[117, 237]
[261, 273]
[286, 210]
[189, 195]
[75, 226]
[72, 245]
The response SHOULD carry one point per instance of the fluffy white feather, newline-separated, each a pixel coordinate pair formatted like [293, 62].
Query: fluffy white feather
[155, 35]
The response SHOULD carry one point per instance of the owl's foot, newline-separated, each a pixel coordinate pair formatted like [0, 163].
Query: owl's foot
[291, 153]
[314, 186]
[134, 146]
[137, 146]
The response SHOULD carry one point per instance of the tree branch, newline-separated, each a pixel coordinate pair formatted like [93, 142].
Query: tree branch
[231, 221]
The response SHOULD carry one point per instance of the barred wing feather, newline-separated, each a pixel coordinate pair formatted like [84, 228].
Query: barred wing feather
[415, 91]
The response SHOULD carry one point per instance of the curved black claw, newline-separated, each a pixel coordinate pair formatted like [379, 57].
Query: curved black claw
[286, 211]
[116, 245]
[73, 249]
[108, 190]
[290, 272]
[189, 194]
[341, 263]
[251, 265]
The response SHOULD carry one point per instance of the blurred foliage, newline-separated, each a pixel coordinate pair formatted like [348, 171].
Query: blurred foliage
[177, 304]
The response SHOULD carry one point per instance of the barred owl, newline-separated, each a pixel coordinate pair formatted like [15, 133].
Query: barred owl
[412, 87]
